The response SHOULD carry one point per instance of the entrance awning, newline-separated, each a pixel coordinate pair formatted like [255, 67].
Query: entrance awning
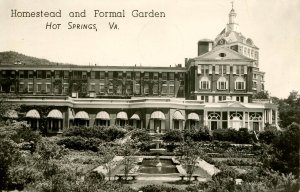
[178, 116]
[122, 115]
[55, 114]
[193, 116]
[103, 115]
[33, 113]
[158, 115]
[136, 116]
[12, 114]
[82, 115]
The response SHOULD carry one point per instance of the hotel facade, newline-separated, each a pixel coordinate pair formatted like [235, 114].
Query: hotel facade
[215, 90]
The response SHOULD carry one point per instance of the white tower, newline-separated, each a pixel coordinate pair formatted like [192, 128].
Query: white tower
[232, 25]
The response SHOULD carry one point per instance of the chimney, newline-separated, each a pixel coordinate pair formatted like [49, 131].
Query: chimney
[204, 46]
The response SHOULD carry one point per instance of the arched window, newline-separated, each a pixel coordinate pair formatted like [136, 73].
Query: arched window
[240, 83]
[222, 83]
[204, 83]
[214, 116]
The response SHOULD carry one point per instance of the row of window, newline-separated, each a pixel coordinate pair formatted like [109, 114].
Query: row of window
[46, 87]
[206, 98]
[222, 83]
[94, 75]
[222, 69]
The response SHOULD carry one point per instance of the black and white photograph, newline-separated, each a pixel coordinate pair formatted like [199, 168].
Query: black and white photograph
[149, 96]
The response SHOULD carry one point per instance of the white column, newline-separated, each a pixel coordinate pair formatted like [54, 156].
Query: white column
[59, 124]
[228, 119]
[276, 120]
[270, 116]
[244, 119]
[205, 118]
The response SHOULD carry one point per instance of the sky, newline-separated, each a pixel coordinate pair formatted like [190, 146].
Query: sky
[273, 25]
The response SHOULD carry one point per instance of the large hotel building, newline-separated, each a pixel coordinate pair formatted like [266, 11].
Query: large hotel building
[213, 90]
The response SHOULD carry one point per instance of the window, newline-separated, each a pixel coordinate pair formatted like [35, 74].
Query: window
[222, 83]
[254, 76]
[239, 83]
[110, 75]
[155, 89]
[3, 74]
[39, 74]
[164, 76]
[181, 76]
[84, 75]
[93, 74]
[101, 88]
[120, 75]
[119, 89]
[21, 87]
[21, 74]
[128, 89]
[128, 75]
[137, 75]
[204, 83]
[137, 88]
[204, 69]
[30, 87]
[92, 87]
[254, 85]
[66, 74]
[56, 74]
[204, 98]
[30, 74]
[146, 75]
[146, 89]
[110, 88]
[222, 98]
[102, 75]
[164, 88]
[12, 88]
[48, 74]
[172, 90]
[155, 76]
[222, 69]
[12, 74]
[39, 87]
[171, 76]
[48, 87]
[240, 99]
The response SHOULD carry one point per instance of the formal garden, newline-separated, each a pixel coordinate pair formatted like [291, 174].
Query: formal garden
[124, 159]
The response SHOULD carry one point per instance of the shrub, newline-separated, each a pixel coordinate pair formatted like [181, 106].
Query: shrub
[225, 134]
[242, 136]
[103, 133]
[159, 188]
[79, 143]
[173, 136]
[141, 135]
[267, 136]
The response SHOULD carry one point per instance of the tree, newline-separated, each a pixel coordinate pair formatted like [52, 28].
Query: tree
[5, 106]
[287, 150]
[9, 154]
[191, 153]
[261, 95]
[128, 151]
[289, 109]
[108, 160]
